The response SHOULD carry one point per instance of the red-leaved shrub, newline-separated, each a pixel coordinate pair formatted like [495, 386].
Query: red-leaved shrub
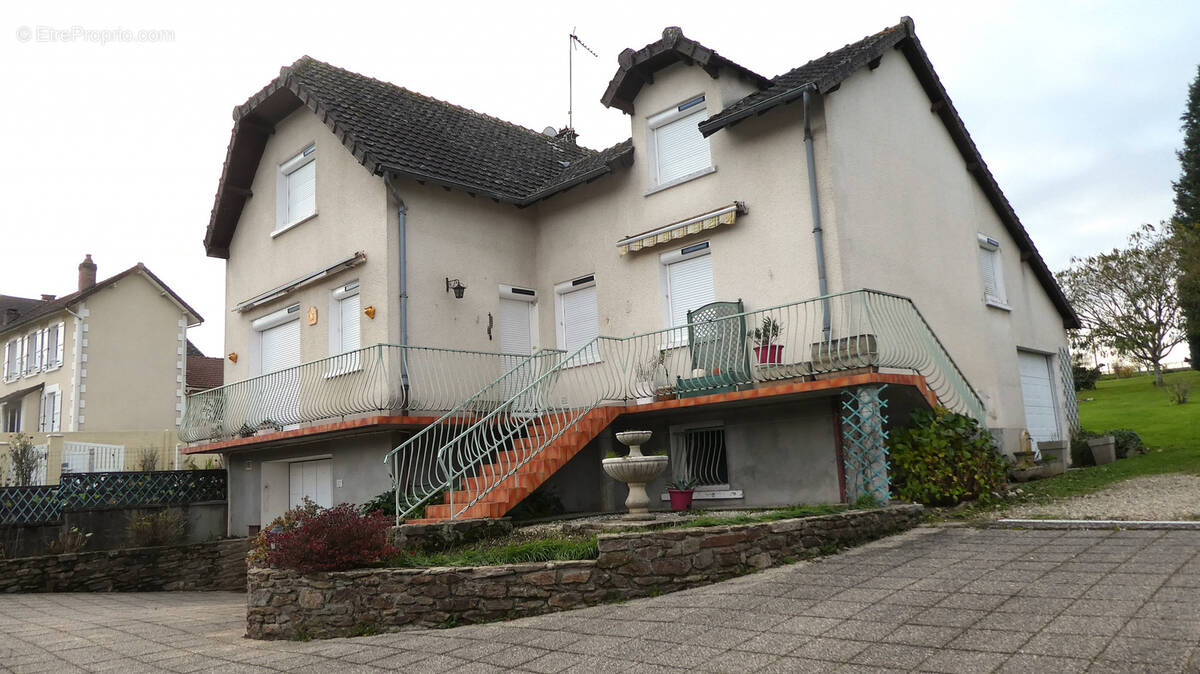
[336, 539]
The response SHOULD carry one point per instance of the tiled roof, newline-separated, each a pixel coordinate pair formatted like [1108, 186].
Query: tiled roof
[193, 350]
[21, 305]
[825, 74]
[204, 373]
[637, 68]
[392, 130]
[45, 308]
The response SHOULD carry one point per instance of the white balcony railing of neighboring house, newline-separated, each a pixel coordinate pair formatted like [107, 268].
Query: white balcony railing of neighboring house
[722, 348]
[358, 382]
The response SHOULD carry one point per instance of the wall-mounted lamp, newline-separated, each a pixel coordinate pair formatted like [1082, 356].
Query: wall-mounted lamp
[232, 357]
[457, 286]
[370, 311]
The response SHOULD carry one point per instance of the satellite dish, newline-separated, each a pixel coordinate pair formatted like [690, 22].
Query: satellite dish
[549, 131]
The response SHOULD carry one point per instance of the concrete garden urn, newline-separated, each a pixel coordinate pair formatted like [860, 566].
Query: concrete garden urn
[635, 470]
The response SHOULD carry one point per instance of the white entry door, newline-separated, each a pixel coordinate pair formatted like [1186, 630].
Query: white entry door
[280, 385]
[313, 479]
[1041, 418]
[516, 337]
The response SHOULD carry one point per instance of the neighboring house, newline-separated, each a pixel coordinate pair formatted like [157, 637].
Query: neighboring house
[96, 376]
[392, 257]
[203, 372]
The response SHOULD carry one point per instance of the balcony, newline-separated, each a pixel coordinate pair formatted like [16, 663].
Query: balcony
[508, 437]
[379, 379]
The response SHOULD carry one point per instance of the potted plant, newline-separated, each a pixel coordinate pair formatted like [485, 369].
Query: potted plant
[681, 492]
[1104, 449]
[768, 351]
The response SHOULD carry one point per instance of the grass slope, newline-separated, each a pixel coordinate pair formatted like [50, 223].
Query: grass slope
[1172, 432]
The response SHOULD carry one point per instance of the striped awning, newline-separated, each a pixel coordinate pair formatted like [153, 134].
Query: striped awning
[725, 215]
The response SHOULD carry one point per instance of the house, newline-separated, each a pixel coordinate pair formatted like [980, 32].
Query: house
[203, 372]
[770, 273]
[96, 376]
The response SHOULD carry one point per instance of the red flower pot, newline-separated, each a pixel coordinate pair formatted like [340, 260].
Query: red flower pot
[681, 499]
[769, 354]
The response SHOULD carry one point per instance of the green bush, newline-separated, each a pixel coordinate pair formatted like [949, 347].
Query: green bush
[1085, 377]
[1128, 442]
[165, 527]
[1081, 452]
[943, 458]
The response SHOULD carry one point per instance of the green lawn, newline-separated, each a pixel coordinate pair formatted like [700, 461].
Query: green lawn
[1172, 432]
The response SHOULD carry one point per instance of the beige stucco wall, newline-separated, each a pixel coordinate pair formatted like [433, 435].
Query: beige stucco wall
[135, 358]
[162, 444]
[766, 258]
[351, 210]
[908, 218]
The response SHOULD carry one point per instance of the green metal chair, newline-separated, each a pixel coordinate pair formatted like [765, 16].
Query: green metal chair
[718, 346]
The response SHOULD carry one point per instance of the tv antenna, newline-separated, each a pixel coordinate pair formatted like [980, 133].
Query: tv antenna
[573, 43]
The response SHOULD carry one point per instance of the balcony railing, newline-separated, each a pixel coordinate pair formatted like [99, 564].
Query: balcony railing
[478, 445]
[367, 380]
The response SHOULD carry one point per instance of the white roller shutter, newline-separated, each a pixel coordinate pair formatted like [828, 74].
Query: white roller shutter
[1041, 419]
[515, 334]
[281, 347]
[580, 319]
[350, 310]
[302, 191]
[689, 286]
[680, 148]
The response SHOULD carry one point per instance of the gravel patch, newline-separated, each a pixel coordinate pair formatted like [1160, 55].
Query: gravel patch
[1154, 497]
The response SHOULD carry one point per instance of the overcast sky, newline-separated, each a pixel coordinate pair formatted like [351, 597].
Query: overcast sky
[115, 148]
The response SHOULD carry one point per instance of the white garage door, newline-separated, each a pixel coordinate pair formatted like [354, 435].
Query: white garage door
[1040, 417]
[313, 479]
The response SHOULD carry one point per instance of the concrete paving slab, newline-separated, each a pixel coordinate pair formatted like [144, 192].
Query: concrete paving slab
[934, 599]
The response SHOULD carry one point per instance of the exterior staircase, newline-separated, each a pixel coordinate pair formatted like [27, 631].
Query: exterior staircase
[531, 474]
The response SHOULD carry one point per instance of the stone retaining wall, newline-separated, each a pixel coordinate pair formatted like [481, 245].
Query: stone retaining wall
[215, 565]
[440, 536]
[283, 604]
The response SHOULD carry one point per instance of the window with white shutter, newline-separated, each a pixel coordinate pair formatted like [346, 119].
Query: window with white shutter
[991, 266]
[54, 346]
[678, 149]
[687, 285]
[12, 359]
[12, 417]
[344, 328]
[33, 352]
[578, 317]
[297, 186]
[51, 410]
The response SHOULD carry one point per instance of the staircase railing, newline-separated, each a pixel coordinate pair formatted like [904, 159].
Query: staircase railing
[370, 379]
[469, 456]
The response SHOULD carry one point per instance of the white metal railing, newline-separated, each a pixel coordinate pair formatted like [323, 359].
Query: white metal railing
[467, 455]
[371, 379]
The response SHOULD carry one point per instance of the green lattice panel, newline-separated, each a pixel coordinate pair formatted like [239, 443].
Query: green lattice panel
[864, 443]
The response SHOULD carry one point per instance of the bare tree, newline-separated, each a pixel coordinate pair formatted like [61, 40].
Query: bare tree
[1128, 299]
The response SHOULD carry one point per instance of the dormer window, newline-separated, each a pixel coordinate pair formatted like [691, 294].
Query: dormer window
[297, 190]
[678, 152]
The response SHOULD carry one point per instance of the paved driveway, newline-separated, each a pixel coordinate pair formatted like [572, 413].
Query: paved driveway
[941, 600]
